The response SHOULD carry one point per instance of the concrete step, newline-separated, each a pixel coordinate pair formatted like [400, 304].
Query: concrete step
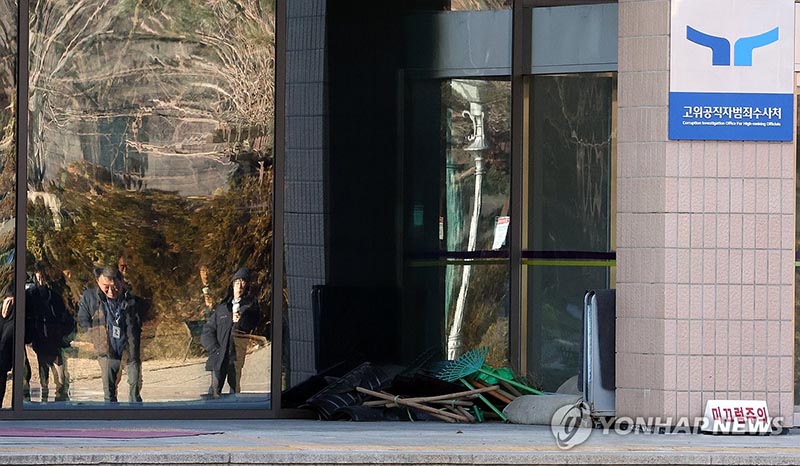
[286, 442]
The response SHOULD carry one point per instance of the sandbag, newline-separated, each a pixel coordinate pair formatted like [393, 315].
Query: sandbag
[537, 409]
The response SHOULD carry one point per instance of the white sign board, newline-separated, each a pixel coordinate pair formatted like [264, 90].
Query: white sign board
[500, 232]
[732, 70]
[737, 417]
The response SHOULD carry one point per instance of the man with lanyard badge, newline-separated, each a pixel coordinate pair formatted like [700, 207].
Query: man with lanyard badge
[111, 316]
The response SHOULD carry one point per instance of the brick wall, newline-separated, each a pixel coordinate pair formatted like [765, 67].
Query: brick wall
[705, 249]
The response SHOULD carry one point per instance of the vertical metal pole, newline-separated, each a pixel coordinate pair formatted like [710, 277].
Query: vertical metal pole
[279, 172]
[22, 202]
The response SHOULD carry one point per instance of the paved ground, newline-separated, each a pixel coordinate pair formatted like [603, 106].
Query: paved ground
[430, 443]
[164, 380]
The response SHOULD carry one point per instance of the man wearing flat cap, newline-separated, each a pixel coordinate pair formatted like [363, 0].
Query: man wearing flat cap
[225, 334]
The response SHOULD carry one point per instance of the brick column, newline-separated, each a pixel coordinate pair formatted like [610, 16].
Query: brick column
[705, 249]
[305, 166]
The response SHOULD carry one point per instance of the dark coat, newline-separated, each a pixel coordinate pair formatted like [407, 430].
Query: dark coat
[92, 319]
[216, 337]
[7, 342]
[48, 324]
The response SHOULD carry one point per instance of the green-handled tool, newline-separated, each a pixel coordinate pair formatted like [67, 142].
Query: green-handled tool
[473, 361]
[457, 370]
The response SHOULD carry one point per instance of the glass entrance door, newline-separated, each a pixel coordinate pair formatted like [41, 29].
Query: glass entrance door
[456, 213]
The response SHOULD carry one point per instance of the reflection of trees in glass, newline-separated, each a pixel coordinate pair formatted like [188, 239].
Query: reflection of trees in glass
[570, 185]
[8, 165]
[572, 163]
[486, 319]
[151, 134]
[129, 81]
[8, 168]
[477, 133]
[463, 5]
[164, 237]
[495, 96]
[472, 5]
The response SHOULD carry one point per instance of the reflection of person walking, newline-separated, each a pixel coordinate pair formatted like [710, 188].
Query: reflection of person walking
[6, 339]
[208, 300]
[49, 327]
[225, 334]
[111, 316]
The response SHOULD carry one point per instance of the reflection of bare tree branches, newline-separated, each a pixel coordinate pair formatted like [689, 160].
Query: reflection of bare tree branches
[8, 105]
[126, 92]
[43, 12]
[8, 51]
[123, 67]
[158, 150]
[472, 5]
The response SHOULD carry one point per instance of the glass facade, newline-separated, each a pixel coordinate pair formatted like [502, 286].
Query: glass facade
[388, 181]
[8, 201]
[149, 211]
[151, 182]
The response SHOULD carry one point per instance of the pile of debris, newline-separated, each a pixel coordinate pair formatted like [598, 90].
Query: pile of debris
[452, 407]
[461, 390]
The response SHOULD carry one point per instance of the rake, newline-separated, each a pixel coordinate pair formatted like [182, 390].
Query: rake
[459, 368]
[471, 362]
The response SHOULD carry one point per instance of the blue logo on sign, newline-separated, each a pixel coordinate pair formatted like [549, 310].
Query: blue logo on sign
[721, 47]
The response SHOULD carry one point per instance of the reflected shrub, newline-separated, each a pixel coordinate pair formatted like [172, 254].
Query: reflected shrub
[164, 237]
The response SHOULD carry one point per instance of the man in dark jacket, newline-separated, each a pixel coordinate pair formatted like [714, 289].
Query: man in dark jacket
[225, 334]
[49, 327]
[111, 316]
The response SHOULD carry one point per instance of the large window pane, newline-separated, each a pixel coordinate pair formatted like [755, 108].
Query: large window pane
[555, 308]
[151, 136]
[570, 216]
[8, 186]
[456, 211]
